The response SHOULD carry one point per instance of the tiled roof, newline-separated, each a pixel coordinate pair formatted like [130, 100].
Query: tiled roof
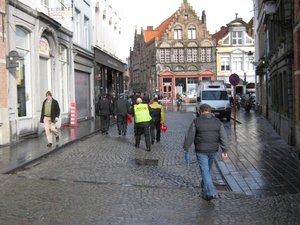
[224, 30]
[220, 34]
[159, 31]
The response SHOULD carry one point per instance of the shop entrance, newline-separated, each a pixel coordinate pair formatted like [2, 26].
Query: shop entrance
[167, 91]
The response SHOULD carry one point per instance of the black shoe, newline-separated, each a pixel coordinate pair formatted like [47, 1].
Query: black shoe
[49, 145]
[136, 145]
[124, 133]
[152, 142]
[158, 140]
[208, 198]
[148, 149]
[57, 139]
[119, 132]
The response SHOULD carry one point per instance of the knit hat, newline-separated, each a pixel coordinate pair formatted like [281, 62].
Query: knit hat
[139, 100]
[49, 93]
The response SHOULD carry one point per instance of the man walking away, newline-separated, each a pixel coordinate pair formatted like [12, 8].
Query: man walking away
[142, 120]
[113, 100]
[104, 110]
[158, 117]
[146, 98]
[122, 108]
[49, 116]
[208, 134]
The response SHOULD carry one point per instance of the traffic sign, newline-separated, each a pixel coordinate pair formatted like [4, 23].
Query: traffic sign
[234, 79]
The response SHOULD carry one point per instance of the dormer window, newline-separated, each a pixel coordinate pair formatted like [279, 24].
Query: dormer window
[237, 38]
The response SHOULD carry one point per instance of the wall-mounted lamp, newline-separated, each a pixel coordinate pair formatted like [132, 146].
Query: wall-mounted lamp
[250, 55]
[270, 9]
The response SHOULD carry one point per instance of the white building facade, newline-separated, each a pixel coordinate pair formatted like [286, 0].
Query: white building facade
[56, 46]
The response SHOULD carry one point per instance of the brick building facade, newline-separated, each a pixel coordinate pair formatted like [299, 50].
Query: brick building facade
[173, 57]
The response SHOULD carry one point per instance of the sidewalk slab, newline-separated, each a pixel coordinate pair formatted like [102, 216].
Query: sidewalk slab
[33, 147]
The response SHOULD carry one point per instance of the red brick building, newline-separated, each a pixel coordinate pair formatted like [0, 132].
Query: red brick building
[173, 57]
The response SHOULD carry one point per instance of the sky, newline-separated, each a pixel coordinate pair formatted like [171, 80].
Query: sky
[137, 14]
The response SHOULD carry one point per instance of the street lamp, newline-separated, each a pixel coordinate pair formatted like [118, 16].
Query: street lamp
[270, 9]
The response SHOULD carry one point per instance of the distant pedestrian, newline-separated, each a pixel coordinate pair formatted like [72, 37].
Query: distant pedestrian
[146, 98]
[158, 117]
[133, 98]
[104, 110]
[208, 134]
[49, 116]
[142, 120]
[122, 108]
[113, 100]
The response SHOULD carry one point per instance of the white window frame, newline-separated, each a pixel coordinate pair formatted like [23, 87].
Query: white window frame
[165, 55]
[178, 34]
[63, 72]
[225, 63]
[192, 55]
[206, 54]
[86, 32]
[178, 55]
[192, 33]
[237, 38]
[237, 63]
[77, 29]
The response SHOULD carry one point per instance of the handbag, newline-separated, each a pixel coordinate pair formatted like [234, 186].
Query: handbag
[129, 118]
[163, 127]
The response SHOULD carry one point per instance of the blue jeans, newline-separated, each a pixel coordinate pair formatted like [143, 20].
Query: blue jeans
[205, 161]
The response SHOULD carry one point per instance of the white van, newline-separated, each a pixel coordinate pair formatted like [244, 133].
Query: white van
[215, 94]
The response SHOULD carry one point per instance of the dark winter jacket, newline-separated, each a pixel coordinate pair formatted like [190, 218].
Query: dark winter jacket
[122, 107]
[208, 133]
[55, 110]
[104, 107]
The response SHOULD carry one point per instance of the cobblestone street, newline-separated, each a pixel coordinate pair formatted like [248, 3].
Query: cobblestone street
[106, 180]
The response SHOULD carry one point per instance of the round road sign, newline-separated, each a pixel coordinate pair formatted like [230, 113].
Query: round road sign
[234, 79]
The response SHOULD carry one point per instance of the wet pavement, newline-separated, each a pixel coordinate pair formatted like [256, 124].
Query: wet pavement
[91, 178]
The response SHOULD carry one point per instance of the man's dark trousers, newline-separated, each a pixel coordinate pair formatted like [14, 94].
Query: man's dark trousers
[122, 123]
[155, 126]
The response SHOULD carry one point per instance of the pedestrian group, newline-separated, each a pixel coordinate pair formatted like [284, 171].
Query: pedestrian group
[206, 131]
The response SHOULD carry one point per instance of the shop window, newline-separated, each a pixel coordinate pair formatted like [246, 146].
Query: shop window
[23, 79]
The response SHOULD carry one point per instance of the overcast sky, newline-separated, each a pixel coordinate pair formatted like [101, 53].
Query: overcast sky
[143, 13]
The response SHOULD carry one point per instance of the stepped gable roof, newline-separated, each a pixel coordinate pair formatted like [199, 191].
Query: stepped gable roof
[159, 31]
